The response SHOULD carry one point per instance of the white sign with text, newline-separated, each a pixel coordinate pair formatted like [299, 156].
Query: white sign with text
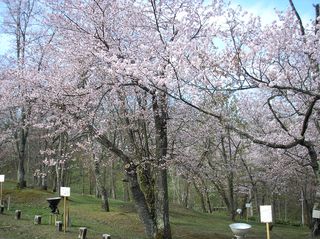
[265, 213]
[248, 205]
[65, 191]
[1, 178]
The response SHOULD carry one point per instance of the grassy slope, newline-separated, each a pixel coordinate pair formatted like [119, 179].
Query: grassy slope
[121, 222]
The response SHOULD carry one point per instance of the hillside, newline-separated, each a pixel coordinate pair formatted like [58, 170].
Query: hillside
[122, 222]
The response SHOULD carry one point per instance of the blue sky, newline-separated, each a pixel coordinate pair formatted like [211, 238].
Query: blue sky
[263, 8]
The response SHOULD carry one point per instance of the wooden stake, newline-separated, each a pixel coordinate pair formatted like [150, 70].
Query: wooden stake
[64, 214]
[268, 231]
[9, 199]
[68, 215]
[1, 193]
[247, 214]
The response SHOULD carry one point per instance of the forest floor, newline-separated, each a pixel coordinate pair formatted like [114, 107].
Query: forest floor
[121, 222]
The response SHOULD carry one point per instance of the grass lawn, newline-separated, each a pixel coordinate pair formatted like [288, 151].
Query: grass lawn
[122, 222]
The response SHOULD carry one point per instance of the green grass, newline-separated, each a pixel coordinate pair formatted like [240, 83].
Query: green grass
[122, 222]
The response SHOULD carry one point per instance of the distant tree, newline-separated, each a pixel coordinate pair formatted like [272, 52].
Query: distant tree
[20, 83]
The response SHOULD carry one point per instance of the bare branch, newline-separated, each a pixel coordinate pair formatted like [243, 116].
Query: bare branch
[298, 17]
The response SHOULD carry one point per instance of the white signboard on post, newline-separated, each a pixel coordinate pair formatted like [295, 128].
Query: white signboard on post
[315, 213]
[65, 191]
[266, 214]
[1, 178]
[248, 205]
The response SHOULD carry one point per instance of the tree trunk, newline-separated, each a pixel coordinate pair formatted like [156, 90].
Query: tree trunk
[145, 215]
[159, 106]
[113, 182]
[82, 177]
[185, 196]
[44, 182]
[99, 184]
[208, 201]
[21, 173]
[126, 194]
[202, 201]
[164, 230]
[58, 178]
[21, 137]
[145, 210]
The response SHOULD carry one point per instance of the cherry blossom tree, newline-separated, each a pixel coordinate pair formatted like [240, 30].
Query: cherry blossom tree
[132, 76]
[20, 81]
[275, 71]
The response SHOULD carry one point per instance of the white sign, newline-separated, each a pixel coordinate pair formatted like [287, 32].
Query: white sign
[315, 213]
[1, 178]
[266, 214]
[248, 205]
[65, 191]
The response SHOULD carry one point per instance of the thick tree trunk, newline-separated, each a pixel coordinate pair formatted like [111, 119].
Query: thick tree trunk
[21, 143]
[145, 215]
[21, 173]
[164, 230]
[99, 183]
[159, 105]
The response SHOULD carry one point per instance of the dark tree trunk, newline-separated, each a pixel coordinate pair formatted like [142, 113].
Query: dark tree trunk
[159, 105]
[21, 143]
[142, 206]
[44, 182]
[99, 183]
[21, 173]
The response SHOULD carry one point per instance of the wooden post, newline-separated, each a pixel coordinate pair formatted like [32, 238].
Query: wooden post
[65, 192]
[68, 216]
[0, 193]
[247, 214]
[9, 199]
[64, 214]
[268, 230]
[82, 233]
[106, 236]
[18, 214]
